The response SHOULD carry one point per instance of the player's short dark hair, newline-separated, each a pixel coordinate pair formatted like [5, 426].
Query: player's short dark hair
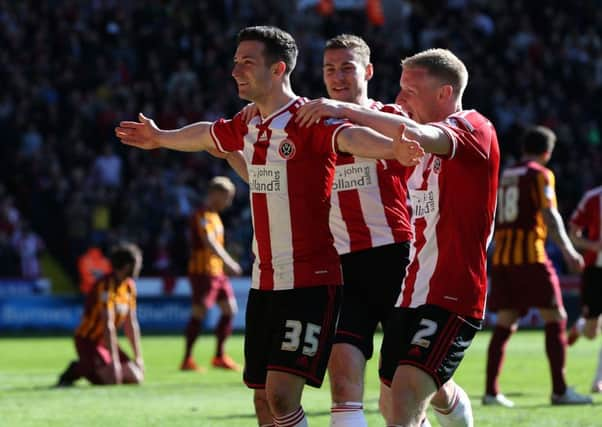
[352, 42]
[124, 254]
[538, 140]
[279, 45]
[442, 64]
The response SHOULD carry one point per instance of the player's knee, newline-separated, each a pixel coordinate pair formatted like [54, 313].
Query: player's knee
[384, 405]
[410, 382]
[559, 314]
[198, 311]
[260, 399]
[229, 310]
[280, 402]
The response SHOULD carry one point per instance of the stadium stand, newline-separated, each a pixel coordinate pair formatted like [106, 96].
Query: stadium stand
[71, 70]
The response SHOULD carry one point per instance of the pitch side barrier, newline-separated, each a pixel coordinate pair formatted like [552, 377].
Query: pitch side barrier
[157, 311]
[163, 306]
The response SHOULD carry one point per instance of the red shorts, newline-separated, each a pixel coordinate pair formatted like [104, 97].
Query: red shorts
[520, 287]
[206, 290]
[94, 356]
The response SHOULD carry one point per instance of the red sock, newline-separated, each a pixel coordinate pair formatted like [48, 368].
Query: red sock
[222, 331]
[495, 358]
[192, 331]
[556, 350]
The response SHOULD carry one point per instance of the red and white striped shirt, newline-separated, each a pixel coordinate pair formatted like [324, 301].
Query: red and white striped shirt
[291, 170]
[453, 208]
[368, 201]
[587, 217]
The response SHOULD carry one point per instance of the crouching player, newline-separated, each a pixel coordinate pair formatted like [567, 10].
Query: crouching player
[110, 305]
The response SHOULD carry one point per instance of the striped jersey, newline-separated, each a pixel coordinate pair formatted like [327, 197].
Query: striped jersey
[588, 217]
[520, 234]
[291, 170]
[453, 206]
[107, 295]
[368, 201]
[202, 259]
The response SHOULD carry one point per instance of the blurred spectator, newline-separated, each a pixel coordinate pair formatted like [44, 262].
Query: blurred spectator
[106, 170]
[29, 247]
[91, 265]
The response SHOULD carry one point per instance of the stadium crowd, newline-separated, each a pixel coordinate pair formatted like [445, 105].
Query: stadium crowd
[73, 69]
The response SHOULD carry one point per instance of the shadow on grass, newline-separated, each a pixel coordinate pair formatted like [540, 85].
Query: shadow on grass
[308, 413]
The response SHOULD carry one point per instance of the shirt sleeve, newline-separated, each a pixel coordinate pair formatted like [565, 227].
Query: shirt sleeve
[470, 134]
[546, 183]
[228, 135]
[133, 294]
[580, 216]
[103, 291]
[325, 134]
[204, 224]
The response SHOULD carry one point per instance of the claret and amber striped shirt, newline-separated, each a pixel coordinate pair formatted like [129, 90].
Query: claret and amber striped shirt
[107, 294]
[202, 258]
[524, 190]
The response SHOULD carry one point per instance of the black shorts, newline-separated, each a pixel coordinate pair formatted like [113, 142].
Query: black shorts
[427, 337]
[591, 292]
[290, 331]
[372, 282]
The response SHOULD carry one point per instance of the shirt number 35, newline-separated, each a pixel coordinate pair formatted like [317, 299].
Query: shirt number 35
[292, 337]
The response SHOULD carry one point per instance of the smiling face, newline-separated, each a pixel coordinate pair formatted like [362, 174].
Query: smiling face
[253, 76]
[421, 95]
[345, 75]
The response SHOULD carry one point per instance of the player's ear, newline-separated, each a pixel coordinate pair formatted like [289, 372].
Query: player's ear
[369, 71]
[446, 92]
[279, 68]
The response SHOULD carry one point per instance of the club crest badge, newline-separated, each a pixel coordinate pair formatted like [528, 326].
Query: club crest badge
[287, 149]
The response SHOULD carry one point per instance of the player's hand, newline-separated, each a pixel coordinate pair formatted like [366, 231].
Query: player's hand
[142, 134]
[574, 261]
[406, 149]
[140, 363]
[248, 112]
[313, 111]
[235, 269]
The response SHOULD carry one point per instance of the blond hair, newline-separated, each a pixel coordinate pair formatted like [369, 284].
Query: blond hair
[441, 64]
[222, 183]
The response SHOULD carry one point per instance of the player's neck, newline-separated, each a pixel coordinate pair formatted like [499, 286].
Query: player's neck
[363, 100]
[446, 111]
[275, 100]
[121, 275]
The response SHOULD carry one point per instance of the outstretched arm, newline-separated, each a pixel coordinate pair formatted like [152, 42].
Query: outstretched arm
[431, 138]
[145, 134]
[364, 142]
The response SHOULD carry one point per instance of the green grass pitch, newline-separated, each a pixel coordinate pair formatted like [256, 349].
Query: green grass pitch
[28, 366]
